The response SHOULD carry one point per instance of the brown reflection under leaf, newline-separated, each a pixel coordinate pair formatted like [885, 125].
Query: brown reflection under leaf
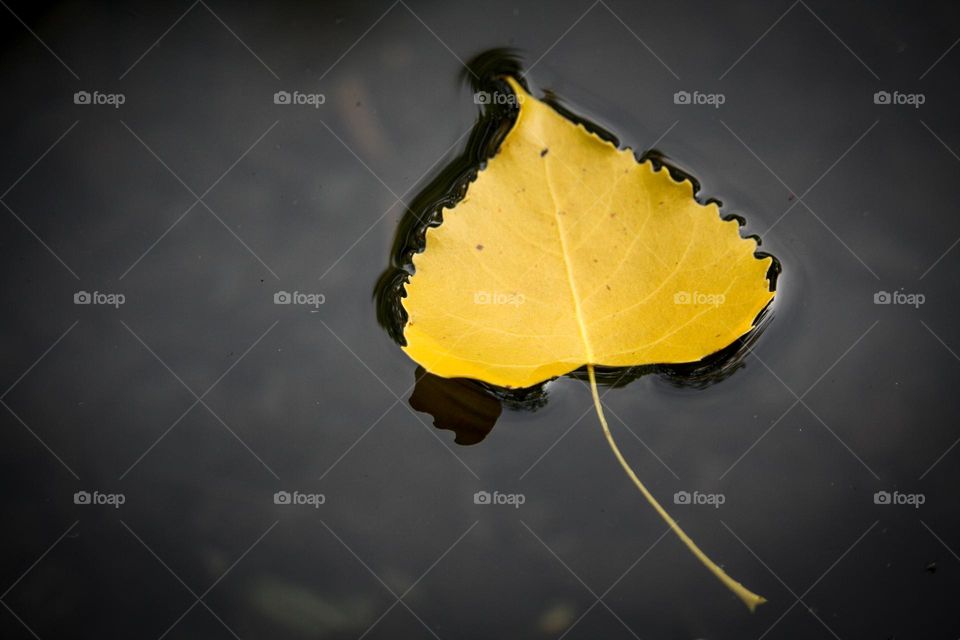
[456, 404]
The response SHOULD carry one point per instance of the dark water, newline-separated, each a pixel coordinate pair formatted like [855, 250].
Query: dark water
[292, 398]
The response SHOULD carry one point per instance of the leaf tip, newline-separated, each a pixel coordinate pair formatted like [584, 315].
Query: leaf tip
[517, 87]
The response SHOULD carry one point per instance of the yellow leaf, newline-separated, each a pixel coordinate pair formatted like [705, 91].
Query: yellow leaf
[565, 252]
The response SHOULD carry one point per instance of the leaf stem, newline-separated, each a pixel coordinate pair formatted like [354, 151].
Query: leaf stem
[748, 597]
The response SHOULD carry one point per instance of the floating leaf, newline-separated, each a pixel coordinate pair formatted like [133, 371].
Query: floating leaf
[564, 252]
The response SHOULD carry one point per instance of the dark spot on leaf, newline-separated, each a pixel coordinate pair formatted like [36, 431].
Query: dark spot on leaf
[479, 247]
[544, 152]
[608, 288]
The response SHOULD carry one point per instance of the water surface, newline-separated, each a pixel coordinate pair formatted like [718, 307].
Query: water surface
[860, 198]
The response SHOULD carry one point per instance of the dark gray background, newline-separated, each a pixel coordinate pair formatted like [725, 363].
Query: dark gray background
[310, 204]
